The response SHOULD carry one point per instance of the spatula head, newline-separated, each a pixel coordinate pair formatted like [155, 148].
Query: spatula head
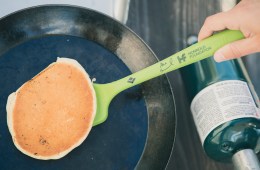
[103, 98]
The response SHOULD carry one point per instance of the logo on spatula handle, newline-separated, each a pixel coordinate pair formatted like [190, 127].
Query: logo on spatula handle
[131, 80]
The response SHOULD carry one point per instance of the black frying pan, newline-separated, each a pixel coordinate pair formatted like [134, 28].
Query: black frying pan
[139, 132]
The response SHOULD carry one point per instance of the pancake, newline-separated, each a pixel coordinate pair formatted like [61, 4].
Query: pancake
[52, 113]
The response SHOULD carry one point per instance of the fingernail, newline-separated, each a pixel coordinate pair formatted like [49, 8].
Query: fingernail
[218, 56]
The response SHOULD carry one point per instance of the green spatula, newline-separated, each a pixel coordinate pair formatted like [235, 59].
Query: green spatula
[205, 48]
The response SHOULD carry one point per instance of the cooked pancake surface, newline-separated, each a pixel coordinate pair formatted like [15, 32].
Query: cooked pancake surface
[53, 112]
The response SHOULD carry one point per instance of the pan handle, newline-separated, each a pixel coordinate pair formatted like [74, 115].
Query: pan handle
[199, 51]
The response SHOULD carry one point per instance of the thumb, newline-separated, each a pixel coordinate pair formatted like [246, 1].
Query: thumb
[236, 49]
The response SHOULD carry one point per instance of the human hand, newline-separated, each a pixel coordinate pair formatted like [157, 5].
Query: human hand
[245, 16]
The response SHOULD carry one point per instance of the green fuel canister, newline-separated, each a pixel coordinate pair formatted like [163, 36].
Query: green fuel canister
[224, 108]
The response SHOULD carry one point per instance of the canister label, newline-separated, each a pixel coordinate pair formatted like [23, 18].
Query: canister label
[222, 102]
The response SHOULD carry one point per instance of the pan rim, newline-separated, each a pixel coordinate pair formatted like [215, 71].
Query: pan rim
[115, 52]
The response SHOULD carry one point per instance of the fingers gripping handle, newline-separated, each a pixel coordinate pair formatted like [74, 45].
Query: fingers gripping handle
[200, 50]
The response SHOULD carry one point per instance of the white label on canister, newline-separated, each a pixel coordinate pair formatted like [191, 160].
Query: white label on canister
[222, 102]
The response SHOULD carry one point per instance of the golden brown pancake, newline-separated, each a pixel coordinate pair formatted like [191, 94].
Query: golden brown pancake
[52, 113]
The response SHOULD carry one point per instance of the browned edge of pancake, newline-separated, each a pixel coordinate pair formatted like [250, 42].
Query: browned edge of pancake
[11, 104]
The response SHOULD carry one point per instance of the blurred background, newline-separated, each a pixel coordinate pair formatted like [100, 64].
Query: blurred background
[165, 26]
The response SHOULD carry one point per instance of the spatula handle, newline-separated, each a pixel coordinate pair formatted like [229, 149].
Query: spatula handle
[192, 54]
